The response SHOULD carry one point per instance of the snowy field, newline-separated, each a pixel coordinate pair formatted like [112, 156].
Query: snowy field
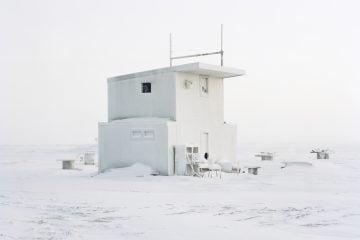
[38, 200]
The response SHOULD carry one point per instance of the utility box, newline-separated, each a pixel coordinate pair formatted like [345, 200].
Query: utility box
[89, 158]
[68, 164]
[321, 154]
[184, 155]
[265, 156]
[253, 170]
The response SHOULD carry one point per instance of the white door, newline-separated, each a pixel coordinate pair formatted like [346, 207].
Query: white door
[204, 144]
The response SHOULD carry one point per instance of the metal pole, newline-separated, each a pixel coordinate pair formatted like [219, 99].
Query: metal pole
[170, 52]
[222, 51]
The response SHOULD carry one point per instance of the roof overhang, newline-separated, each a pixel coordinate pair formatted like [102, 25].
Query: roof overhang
[194, 68]
[210, 70]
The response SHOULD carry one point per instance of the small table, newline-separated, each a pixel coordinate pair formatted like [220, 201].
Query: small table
[68, 163]
[253, 170]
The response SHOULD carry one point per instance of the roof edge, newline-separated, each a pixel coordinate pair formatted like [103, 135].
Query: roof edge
[196, 68]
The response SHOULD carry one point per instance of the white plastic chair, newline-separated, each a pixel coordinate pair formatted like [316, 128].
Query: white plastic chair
[194, 167]
[213, 167]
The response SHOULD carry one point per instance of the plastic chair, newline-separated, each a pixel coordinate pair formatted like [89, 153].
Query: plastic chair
[213, 167]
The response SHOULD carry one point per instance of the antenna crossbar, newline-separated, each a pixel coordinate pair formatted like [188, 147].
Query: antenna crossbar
[197, 55]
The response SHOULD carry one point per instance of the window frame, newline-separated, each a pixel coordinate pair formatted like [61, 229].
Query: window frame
[146, 86]
[204, 82]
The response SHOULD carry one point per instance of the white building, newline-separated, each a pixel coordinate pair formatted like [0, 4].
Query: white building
[150, 112]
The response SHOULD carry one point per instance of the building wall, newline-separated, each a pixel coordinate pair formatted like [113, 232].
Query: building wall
[126, 100]
[193, 106]
[119, 147]
[197, 114]
[172, 141]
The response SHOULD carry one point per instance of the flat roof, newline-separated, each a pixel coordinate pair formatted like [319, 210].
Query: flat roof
[148, 120]
[195, 68]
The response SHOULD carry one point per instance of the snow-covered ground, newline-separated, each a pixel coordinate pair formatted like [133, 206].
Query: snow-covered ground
[38, 200]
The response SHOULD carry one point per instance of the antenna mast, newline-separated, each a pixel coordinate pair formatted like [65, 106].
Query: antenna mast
[221, 52]
[170, 52]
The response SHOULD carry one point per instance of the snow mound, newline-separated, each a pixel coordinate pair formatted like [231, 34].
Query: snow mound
[135, 170]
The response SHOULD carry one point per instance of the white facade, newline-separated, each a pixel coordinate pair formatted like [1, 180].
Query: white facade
[185, 105]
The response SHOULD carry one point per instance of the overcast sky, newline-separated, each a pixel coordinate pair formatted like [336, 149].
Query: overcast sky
[302, 60]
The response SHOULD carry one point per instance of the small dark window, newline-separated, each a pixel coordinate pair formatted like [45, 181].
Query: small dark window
[146, 87]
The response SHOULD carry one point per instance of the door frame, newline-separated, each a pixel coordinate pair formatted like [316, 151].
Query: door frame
[203, 151]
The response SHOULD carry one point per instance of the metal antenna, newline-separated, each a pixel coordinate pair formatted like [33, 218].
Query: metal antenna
[221, 52]
[170, 52]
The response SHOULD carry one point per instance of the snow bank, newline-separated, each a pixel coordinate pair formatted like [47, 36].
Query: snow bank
[135, 170]
[39, 200]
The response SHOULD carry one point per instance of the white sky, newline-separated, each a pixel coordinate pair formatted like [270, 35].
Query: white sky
[302, 60]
